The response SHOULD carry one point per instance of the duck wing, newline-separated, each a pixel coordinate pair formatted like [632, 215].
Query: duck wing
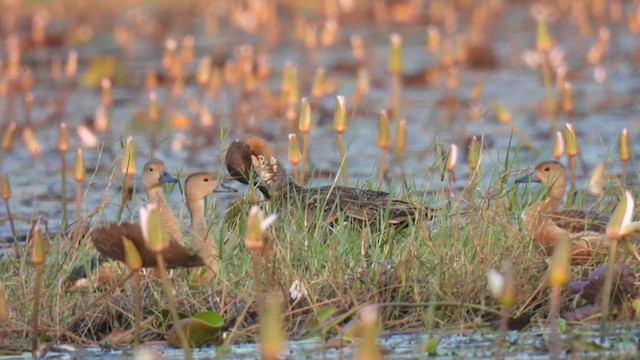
[578, 220]
[108, 241]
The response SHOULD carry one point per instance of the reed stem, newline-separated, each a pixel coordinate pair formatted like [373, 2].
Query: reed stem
[572, 180]
[173, 307]
[137, 300]
[255, 264]
[623, 180]
[608, 284]
[16, 247]
[343, 160]
[381, 168]
[548, 86]
[78, 200]
[36, 312]
[305, 154]
[63, 201]
[125, 195]
[554, 310]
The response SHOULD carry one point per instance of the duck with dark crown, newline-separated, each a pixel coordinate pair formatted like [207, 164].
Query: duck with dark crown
[251, 160]
[546, 223]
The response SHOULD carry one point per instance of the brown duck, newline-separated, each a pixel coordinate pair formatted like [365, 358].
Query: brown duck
[197, 187]
[546, 223]
[251, 160]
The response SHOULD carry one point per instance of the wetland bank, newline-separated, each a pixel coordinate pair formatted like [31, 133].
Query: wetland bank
[443, 104]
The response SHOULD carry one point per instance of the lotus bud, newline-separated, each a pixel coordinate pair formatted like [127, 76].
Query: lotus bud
[340, 116]
[187, 51]
[370, 324]
[452, 158]
[7, 138]
[56, 68]
[101, 118]
[304, 123]
[357, 48]
[131, 254]
[71, 67]
[384, 137]
[401, 140]
[571, 143]
[294, 150]
[105, 85]
[150, 79]
[567, 97]
[328, 33]
[317, 87]
[502, 113]
[271, 332]
[128, 165]
[596, 181]
[256, 226]
[154, 234]
[152, 112]
[63, 138]
[558, 145]
[544, 41]
[473, 159]
[621, 224]
[363, 81]
[559, 266]
[624, 146]
[79, 172]
[38, 252]
[394, 64]
[434, 40]
[5, 187]
[31, 142]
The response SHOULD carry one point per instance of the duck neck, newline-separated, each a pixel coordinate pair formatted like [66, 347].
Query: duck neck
[169, 220]
[198, 223]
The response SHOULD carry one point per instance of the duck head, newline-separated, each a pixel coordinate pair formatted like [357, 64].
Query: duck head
[155, 174]
[252, 160]
[199, 185]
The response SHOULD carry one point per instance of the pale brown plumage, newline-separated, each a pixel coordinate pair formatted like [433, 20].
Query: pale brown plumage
[546, 224]
[250, 159]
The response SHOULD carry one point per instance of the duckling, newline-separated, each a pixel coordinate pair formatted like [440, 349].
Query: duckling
[545, 223]
[251, 160]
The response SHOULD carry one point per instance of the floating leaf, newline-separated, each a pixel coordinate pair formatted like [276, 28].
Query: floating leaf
[210, 317]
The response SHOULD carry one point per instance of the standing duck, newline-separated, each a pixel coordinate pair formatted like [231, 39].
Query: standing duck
[251, 160]
[546, 223]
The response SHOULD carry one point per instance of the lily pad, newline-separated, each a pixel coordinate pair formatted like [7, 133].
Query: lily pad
[199, 332]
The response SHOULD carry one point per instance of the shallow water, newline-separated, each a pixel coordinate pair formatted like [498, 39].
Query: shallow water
[579, 341]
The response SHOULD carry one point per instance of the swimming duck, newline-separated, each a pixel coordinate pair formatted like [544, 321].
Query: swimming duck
[252, 160]
[546, 223]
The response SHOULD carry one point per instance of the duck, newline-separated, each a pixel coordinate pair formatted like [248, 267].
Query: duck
[546, 223]
[250, 160]
[196, 188]
[108, 239]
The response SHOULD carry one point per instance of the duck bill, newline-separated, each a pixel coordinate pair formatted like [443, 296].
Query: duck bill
[529, 178]
[224, 188]
[167, 178]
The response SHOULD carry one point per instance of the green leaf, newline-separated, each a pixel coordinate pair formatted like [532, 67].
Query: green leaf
[210, 317]
[326, 312]
[431, 345]
[198, 332]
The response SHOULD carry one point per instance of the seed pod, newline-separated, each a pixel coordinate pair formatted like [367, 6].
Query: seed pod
[384, 137]
[340, 115]
[304, 123]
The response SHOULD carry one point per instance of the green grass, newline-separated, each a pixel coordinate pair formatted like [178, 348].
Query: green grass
[430, 275]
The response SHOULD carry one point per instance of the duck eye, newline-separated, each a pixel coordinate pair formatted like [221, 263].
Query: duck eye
[150, 169]
[547, 169]
[205, 179]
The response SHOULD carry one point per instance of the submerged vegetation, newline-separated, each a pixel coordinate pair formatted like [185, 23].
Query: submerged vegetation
[442, 104]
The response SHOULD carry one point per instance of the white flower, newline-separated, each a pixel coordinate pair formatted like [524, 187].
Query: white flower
[297, 290]
[495, 282]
